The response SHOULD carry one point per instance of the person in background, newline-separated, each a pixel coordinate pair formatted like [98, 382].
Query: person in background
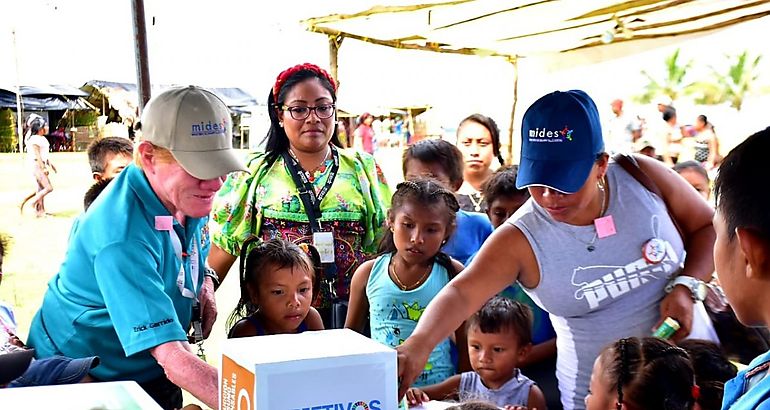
[38, 158]
[108, 156]
[440, 160]
[696, 175]
[365, 133]
[499, 337]
[478, 138]
[672, 138]
[304, 176]
[706, 143]
[134, 280]
[742, 257]
[502, 196]
[579, 245]
[642, 374]
[622, 129]
[712, 370]
[278, 282]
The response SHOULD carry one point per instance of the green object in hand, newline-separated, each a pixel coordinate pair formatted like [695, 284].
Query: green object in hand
[666, 329]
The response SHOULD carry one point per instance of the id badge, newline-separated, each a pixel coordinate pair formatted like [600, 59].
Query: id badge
[324, 243]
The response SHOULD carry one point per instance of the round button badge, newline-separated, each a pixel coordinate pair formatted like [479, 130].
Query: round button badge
[654, 250]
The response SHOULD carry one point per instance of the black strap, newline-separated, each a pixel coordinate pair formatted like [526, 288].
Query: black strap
[632, 167]
[310, 200]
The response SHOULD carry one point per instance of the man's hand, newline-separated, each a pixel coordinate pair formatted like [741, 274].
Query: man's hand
[678, 305]
[208, 307]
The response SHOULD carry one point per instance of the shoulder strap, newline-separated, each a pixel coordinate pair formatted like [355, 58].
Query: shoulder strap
[630, 165]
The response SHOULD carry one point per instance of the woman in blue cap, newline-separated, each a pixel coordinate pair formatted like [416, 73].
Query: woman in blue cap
[592, 246]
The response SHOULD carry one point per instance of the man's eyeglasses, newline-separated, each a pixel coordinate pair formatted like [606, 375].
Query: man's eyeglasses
[298, 112]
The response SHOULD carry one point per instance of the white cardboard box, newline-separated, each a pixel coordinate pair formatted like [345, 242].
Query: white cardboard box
[323, 370]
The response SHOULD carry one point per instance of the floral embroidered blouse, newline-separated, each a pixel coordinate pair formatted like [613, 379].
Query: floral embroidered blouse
[266, 203]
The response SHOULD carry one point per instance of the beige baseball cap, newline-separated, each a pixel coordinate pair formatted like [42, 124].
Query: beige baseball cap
[195, 125]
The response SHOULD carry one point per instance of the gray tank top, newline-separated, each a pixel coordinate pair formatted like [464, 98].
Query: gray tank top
[595, 298]
[514, 392]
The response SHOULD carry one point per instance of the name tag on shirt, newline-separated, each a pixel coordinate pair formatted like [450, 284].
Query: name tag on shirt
[324, 243]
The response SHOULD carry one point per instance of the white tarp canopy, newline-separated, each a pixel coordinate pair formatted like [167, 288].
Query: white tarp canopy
[522, 28]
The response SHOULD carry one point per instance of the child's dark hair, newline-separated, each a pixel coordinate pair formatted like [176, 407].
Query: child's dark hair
[437, 151]
[257, 256]
[425, 192]
[502, 314]
[740, 197]
[491, 126]
[694, 166]
[94, 192]
[99, 149]
[276, 140]
[503, 184]
[649, 373]
[712, 370]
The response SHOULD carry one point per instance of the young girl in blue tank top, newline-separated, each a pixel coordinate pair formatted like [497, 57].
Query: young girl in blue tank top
[279, 281]
[395, 288]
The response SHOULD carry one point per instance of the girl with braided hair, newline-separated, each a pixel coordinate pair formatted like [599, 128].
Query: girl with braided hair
[305, 188]
[642, 373]
[394, 288]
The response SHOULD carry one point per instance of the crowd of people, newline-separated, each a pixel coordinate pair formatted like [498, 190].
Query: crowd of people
[530, 286]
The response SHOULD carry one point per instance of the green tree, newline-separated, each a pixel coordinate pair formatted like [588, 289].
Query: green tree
[672, 85]
[736, 84]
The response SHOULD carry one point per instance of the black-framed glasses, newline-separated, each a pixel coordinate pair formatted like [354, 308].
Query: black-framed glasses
[299, 112]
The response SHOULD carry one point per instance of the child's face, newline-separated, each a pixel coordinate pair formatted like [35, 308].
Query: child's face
[419, 230]
[495, 356]
[697, 181]
[475, 142]
[416, 169]
[502, 207]
[284, 298]
[599, 396]
[113, 164]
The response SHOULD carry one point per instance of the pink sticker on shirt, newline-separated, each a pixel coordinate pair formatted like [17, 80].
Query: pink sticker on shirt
[605, 226]
[164, 223]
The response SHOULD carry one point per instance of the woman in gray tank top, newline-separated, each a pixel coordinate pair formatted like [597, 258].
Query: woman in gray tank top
[593, 247]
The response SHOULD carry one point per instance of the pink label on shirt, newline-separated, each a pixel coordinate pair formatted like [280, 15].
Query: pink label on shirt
[605, 226]
[164, 223]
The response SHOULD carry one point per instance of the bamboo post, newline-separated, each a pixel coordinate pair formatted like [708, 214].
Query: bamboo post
[335, 41]
[509, 152]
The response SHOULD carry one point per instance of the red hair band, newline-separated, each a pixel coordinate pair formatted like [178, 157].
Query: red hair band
[285, 74]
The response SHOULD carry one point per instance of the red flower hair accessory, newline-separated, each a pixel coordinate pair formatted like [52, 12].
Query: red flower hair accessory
[285, 74]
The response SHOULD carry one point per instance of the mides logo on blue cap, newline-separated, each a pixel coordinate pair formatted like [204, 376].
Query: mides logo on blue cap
[546, 135]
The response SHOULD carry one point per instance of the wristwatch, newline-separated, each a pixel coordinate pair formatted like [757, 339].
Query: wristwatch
[211, 273]
[698, 287]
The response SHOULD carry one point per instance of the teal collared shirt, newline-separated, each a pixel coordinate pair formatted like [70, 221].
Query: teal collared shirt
[750, 388]
[116, 294]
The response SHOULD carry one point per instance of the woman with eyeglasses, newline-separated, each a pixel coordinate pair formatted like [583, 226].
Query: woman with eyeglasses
[305, 188]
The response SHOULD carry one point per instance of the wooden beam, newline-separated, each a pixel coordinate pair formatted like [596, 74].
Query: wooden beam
[405, 46]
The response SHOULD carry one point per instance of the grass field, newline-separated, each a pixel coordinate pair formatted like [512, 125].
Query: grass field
[38, 245]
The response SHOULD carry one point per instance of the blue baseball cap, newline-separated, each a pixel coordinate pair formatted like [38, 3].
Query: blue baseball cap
[561, 136]
[55, 370]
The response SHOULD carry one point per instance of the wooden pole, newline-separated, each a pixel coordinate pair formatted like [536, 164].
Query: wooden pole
[19, 108]
[509, 152]
[140, 53]
[335, 41]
